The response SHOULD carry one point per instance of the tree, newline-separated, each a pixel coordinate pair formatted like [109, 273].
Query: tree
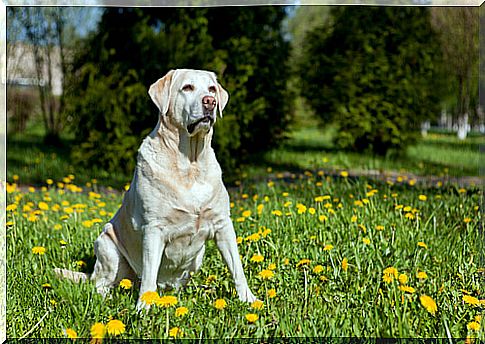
[371, 72]
[458, 35]
[48, 34]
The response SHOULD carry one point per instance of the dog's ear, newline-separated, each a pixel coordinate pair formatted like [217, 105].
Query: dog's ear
[160, 92]
[222, 98]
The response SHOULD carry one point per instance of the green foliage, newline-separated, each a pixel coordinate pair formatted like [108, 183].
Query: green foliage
[134, 47]
[107, 110]
[372, 73]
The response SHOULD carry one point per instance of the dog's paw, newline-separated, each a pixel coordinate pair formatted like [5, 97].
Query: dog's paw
[246, 295]
[142, 307]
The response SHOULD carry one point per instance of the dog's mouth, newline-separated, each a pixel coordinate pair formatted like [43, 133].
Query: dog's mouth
[206, 120]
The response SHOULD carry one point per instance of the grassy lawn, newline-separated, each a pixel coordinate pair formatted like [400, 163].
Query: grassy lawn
[349, 257]
[437, 154]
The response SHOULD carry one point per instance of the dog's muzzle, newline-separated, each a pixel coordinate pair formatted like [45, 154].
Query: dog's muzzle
[207, 120]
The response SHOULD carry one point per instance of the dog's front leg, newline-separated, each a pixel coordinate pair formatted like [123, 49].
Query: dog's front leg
[226, 243]
[153, 246]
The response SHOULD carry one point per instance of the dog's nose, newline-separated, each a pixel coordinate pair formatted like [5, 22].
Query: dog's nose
[209, 103]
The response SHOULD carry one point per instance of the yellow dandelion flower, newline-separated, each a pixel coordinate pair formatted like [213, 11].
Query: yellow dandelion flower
[322, 218]
[126, 284]
[43, 206]
[70, 333]
[246, 213]
[253, 237]
[87, 223]
[473, 326]
[391, 271]
[260, 209]
[38, 250]
[412, 182]
[220, 304]
[271, 293]
[258, 304]
[422, 244]
[301, 208]
[150, 297]
[257, 258]
[277, 212]
[175, 332]
[57, 226]
[266, 232]
[467, 220]
[286, 261]
[328, 247]
[81, 263]
[11, 188]
[167, 301]
[31, 189]
[98, 330]
[403, 279]
[344, 174]
[422, 275]
[11, 207]
[387, 278]
[311, 211]
[407, 289]
[478, 318]
[266, 274]
[181, 311]
[251, 317]
[353, 218]
[428, 303]
[345, 264]
[318, 269]
[272, 266]
[422, 198]
[115, 327]
[366, 241]
[471, 300]
[304, 261]
[358, 203]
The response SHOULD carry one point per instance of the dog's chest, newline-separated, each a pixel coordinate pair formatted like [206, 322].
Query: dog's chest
[198, 195]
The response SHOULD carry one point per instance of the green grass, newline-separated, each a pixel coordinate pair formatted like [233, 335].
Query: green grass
[437, 154]
[351, 302]
[34, 162]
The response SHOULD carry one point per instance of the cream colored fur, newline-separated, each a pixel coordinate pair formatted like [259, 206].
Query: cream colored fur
[176, 201]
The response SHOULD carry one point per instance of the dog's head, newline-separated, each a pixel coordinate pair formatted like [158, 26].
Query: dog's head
[191, 98]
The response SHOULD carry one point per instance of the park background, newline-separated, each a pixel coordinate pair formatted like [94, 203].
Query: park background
[329, 106]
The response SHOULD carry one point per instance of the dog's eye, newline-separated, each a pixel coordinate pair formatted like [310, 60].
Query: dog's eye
[212, 89]
[188, 87]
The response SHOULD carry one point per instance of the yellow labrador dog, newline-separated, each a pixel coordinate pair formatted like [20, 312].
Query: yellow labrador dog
[177, 200]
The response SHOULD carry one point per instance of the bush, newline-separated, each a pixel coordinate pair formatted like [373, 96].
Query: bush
[372, 72]
[245, 48]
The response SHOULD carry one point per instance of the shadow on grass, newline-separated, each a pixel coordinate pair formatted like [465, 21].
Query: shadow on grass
[34, 162]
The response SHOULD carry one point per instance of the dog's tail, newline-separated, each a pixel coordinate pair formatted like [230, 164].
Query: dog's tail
[72, 275]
